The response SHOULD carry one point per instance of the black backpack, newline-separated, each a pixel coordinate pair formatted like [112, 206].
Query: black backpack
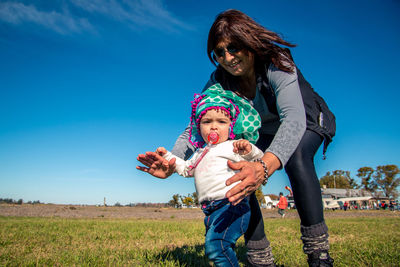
[319, 117]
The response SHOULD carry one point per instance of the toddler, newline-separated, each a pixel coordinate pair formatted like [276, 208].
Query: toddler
[223, 126]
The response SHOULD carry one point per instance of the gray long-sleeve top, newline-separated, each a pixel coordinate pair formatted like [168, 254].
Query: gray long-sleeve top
[288, 128]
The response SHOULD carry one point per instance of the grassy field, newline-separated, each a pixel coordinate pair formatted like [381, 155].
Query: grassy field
[27, 241]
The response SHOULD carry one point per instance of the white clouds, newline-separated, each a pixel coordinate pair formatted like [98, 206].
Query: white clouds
[152, 13]
[136, 14]
[17, 13]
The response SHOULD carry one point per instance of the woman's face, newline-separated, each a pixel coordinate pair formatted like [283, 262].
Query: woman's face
[236, 61]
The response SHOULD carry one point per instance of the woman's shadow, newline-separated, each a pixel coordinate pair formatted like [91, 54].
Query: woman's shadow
[194, 255]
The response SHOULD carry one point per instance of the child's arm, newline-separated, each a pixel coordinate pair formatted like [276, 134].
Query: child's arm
[247, 150]
[182, 167]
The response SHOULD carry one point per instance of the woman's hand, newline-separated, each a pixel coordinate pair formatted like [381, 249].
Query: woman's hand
[156, 164]
[251, 174]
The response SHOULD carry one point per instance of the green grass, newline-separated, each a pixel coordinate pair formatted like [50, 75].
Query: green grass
[137, 242]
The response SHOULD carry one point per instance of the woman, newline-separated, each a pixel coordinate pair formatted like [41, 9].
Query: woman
[249, 58]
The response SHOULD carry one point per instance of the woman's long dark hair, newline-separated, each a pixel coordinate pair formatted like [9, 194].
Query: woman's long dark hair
[244, 32]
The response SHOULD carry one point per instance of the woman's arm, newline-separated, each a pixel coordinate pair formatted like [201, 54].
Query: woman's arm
[291, 112]
[293, 125]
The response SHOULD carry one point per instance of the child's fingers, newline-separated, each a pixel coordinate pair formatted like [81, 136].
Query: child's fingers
[161, 151]
[150, 158]
[154, 156]
[165, 164]
[145, 160]
[241, 144]
[143, 169]
[172, 163]
[235, 147]
[245, 144]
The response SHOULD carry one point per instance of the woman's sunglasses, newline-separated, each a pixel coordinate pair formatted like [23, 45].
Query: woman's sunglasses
[230, 48]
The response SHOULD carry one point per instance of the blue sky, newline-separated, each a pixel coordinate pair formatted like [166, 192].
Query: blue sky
[85, 86]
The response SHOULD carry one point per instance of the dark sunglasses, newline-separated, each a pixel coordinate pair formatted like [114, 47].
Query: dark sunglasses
[230, 48]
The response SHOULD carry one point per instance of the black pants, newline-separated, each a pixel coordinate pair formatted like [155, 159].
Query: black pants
[304, 182]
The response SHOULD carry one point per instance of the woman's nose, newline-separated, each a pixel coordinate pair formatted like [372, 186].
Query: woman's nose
[228, 56]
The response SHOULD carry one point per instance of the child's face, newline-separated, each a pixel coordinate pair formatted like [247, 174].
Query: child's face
[215, 121]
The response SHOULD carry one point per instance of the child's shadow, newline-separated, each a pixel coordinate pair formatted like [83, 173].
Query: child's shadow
[194, 255]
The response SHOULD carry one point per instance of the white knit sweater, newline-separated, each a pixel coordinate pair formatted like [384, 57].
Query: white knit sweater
[212, 171]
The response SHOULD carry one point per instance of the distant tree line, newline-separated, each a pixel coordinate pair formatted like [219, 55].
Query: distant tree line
[383, 180]
[18, 202]
[192, 199]
[178, 201]
[144, 205]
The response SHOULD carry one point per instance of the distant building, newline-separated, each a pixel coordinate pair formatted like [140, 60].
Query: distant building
[333, 198]
[336, 193]
[269, 202]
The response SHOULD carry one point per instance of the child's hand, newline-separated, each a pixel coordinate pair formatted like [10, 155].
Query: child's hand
[156, 165]
[242, 147]
[161, 151]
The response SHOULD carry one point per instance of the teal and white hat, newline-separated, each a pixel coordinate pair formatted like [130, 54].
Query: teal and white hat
[245, 119]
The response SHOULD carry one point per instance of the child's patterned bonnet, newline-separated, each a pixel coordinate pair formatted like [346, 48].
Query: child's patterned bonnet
[245, 119]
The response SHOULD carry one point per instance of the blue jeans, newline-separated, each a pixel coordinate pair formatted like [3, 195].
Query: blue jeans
[224, 223]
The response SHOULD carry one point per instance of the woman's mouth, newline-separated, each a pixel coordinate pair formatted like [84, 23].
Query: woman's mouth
[234, 64]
